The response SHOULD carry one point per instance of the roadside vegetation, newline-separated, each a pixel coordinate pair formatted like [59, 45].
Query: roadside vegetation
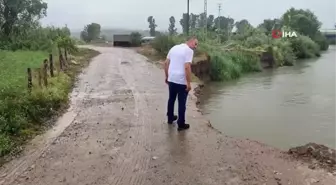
[235, 47]
[24, 43]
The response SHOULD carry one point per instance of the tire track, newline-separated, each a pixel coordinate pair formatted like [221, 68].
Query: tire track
[139, 163]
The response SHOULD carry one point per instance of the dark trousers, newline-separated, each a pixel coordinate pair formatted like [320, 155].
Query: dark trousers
[181, 93]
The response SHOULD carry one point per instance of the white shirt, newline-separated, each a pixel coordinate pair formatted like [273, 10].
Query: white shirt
[178, 56]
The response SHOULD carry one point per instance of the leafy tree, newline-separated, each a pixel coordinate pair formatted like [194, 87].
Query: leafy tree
[242, 26]
[224, 23]
[91, 32]
[303, 21]
[184, 22]
[152, 25]
[172, 30]
[201, 21]
[270, 24]
[18, 14]
[211, 21]
[193, 21]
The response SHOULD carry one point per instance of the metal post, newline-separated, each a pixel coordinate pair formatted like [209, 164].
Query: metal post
[188, 17]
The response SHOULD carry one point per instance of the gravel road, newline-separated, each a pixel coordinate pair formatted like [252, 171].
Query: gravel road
[115, 133]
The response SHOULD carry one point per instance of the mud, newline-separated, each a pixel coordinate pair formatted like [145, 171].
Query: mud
[317, 155]
[116, 134]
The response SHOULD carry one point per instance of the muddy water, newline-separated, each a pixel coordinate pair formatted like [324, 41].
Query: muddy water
[284, 107]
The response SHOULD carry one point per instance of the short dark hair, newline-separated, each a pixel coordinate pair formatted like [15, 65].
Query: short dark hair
[191, 38]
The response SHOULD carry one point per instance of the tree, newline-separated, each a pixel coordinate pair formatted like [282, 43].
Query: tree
[303, 21]
[193, 21]
[90, 32]
[270, 24]
[242, 26]
[152, 25]
[184, 22]
[172, 30]
[201, 21]
[18, 13]
[211, 21]
[224, 23]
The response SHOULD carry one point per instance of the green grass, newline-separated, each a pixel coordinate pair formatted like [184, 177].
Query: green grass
[23, 115]
[14, 66]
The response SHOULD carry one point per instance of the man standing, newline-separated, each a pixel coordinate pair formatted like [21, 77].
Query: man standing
[178, 78]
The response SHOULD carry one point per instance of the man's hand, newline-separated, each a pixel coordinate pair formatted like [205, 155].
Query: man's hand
[188, 87]
[166, 81]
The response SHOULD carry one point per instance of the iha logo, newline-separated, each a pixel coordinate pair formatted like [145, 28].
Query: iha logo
[279, 34]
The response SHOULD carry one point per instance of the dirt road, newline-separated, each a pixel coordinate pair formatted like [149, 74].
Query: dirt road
[115, 133]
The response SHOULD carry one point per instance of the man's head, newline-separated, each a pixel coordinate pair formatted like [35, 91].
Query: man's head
[192, 42]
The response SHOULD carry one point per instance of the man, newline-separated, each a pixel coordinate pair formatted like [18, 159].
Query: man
[178, 78]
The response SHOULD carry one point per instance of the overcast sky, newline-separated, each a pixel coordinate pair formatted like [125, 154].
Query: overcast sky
[132, 14]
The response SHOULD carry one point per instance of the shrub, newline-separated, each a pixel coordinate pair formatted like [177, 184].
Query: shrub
[135, 39]
[322, 41]
[163, 43]
[282, 52]
[231, 65]
[304, 47]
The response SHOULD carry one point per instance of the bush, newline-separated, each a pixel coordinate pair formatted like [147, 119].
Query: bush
[304, 47]
[282, 52]
[163, 43]
[135, 39]
[322, 41]
[228, 66]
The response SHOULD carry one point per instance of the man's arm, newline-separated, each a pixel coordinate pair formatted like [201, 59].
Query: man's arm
[166, 66]
[187, 67]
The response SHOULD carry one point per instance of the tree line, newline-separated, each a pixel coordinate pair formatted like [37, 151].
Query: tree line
[302, 21]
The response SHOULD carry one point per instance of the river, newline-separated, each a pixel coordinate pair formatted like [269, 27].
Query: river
[283, 107]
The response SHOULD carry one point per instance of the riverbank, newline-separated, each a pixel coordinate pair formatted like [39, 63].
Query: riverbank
[119, 135]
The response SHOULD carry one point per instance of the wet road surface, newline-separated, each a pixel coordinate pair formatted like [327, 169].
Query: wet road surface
[115, 133]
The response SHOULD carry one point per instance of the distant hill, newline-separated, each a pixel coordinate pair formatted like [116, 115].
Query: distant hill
[108, 33]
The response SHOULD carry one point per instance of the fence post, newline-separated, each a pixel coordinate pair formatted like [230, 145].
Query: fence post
[39, 76]
[30, 83]
[45, 72]
[51, 63]
[66, 54]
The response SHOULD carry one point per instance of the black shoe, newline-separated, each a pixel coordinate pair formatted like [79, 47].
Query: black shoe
[171, 122]
[183, 127]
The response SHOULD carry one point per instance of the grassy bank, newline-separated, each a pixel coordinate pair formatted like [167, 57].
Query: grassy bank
[23, 115]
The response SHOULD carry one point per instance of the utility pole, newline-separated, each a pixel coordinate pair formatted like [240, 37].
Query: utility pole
[188, 17]
[229, 29]
[206, 18]
[218, 21]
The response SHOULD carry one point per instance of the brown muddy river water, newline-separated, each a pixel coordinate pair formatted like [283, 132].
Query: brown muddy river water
[283, 107]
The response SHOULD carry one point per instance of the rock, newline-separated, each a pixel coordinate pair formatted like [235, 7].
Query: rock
[154, 158]
[312, 166]
[313, 180]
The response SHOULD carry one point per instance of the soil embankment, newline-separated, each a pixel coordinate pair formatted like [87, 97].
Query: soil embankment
[118, 135]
